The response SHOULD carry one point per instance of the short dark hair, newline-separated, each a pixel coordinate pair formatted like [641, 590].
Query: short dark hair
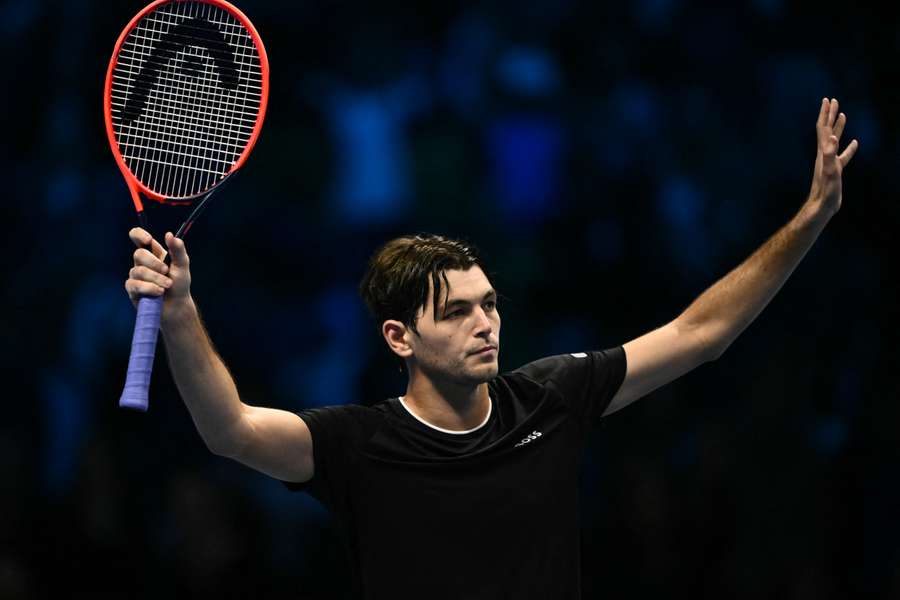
[395, 285]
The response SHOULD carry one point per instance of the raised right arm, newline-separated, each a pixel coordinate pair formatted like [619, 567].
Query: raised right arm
[275, 442]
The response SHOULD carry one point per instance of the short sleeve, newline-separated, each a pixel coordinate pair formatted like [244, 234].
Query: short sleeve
[587, 381]
[338, 432]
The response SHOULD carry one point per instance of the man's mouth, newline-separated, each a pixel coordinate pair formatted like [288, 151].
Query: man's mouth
[485, 349]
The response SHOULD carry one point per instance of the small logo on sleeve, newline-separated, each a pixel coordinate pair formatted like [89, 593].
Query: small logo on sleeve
[579, 355]
[530, 438]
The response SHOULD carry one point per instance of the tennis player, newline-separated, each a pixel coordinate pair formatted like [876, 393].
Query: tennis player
[465, 486]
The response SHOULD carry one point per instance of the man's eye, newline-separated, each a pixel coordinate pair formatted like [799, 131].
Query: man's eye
[455, 313]
[490, 305]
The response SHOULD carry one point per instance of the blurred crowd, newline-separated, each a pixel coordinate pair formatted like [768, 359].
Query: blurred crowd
[610, 161]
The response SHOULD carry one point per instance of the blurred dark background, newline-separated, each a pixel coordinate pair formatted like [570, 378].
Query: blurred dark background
[611, 162]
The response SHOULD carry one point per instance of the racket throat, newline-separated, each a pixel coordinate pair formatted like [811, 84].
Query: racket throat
[189, 222]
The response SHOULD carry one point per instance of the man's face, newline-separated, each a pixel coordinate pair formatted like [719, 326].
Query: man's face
[461, 343]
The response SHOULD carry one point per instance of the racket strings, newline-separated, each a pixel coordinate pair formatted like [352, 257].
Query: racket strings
[186, 95]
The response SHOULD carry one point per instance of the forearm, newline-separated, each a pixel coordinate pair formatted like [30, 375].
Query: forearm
[723, 311]
[206, 386]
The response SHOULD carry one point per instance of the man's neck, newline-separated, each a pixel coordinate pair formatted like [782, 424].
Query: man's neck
[446, 405]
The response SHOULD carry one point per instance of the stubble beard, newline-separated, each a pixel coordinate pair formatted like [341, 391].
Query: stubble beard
[461, 372]
[476, 374]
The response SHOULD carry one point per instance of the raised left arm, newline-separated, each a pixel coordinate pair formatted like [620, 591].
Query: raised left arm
[712, 322]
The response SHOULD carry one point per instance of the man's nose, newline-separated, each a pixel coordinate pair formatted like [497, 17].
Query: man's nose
[484, 323]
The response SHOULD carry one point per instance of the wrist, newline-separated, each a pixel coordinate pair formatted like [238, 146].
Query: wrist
[812, 215]
[177, 313]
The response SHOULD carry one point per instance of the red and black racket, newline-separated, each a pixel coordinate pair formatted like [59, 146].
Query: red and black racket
[184, 102]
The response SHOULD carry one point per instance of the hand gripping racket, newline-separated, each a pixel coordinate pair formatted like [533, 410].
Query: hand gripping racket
[184, 102]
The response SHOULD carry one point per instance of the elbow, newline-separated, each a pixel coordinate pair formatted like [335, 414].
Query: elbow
[708, 342]
[221, 448]
[228, 445]
[712, 345]
[234, 451]
[715, 352]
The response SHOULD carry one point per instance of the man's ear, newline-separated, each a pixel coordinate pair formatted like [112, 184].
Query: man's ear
[396, 334]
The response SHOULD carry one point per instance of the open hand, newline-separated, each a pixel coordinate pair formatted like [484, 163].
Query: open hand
[825, 193]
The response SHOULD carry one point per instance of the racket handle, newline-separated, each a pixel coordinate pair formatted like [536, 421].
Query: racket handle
[143, 348]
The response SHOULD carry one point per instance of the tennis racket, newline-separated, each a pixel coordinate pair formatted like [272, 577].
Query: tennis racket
[184, 103]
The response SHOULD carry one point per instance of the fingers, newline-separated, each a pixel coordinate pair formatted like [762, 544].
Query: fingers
[150, 275]
[848, 153]
[828, 113]
[147, 277]
[828, 152]
[142, 239]
[142, 257]
[143, 274]
[179, 252]
[823, 113]
[137, 288]
[139, 236]
[831, 124]
[839, 125]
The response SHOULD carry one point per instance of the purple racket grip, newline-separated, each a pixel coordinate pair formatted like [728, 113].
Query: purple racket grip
[143, 348]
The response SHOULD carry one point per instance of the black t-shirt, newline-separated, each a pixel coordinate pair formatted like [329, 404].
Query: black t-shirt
[485, 514]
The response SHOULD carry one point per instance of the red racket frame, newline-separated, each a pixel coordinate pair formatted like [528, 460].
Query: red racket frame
[136, 187]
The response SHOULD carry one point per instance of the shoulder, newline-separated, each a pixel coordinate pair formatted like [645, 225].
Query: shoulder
[344, 420]
[552, 368]
[585, 381]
